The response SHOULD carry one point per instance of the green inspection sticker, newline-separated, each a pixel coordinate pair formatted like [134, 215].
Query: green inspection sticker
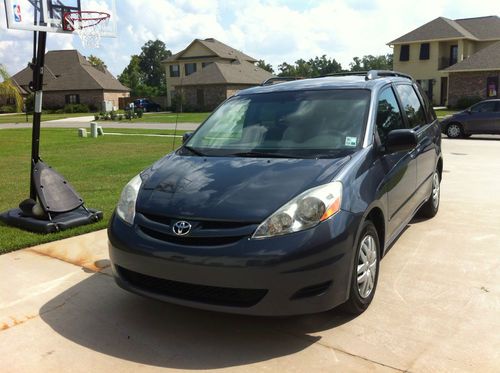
[351, 141]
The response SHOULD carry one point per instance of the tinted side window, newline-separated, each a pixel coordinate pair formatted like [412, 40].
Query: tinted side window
[411, 105]
[484, 107]
[388, 114]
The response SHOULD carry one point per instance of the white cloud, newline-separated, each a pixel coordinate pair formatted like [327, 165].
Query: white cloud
[273, 30]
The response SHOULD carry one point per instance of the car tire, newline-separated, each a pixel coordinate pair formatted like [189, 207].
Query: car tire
[366, 261]
[454, 131]
[430, 208]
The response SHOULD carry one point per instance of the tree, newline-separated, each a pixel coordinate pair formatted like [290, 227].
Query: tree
[265, 66]
[151, 57]
[369, 62]
[316, 66]
[133, 77]
[96, 62]
[9, 89]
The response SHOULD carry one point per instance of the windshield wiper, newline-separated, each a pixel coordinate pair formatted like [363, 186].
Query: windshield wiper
[264, 155]
[193, 150]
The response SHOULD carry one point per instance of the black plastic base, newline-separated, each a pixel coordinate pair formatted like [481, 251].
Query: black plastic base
[59, 222]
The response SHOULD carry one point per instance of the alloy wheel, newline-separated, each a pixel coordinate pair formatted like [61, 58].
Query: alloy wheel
[367, 266]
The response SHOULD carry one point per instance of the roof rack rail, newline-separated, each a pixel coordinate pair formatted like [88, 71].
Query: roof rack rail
[370, 75]
[374, 74]
[279, 79]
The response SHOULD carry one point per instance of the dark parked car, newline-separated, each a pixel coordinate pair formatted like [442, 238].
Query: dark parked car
[146, 105]
[481, 118]
[284, 200]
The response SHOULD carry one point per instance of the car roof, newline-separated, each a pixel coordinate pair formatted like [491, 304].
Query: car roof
[325, 83]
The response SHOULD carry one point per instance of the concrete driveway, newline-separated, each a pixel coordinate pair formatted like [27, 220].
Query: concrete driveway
[437, 305]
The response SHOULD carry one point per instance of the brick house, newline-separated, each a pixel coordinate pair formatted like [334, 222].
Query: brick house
[207, 72]
[70, 79]
[452, 58]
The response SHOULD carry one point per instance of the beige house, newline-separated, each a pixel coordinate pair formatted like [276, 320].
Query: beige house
[433, 51]
[207, 72]
[70, 79]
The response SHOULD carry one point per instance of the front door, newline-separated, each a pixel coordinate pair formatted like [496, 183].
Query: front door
[444, 91]
[483, 118]
[401, 177]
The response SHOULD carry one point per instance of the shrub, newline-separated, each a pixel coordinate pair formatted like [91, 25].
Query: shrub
[59, 111]
[467, 101]
[139, 113]
[7, 109]
[96, 117]
[128, 115]
[120, 117]
[113, 115]
[76, 108]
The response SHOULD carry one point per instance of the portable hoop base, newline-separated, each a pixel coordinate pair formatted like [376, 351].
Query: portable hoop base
[59, 222]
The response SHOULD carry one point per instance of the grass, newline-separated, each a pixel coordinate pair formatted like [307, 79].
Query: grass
[21, 118]
[171, 118]
[444, 112]
[97, 168]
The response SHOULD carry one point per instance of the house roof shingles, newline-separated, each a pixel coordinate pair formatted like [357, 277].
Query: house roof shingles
[237, 72]
[68, 70]
[480, 28]
[218, 48]
[486, 59]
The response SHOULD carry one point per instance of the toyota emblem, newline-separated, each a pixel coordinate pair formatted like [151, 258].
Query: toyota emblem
[181, 228]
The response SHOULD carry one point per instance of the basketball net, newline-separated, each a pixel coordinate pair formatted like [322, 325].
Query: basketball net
[89, 25]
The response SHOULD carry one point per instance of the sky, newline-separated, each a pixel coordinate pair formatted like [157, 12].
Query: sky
[273, 30]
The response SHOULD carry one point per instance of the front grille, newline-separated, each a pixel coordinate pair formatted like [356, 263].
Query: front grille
[203, 232]
[231, 297]
[189, 240]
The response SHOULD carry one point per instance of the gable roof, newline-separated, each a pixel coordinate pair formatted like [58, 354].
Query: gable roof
[68, 70]
[479, 28]
[486, 59]
[237, 72]
[218, 48]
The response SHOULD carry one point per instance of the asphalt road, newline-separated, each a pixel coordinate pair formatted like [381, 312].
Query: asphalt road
[436, 309]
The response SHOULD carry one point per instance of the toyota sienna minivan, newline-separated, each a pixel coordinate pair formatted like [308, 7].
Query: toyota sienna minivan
[284, 200]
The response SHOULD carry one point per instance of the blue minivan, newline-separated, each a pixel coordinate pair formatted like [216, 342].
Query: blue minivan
[284, 200]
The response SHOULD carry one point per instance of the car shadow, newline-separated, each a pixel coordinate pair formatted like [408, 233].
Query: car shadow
[98, 315]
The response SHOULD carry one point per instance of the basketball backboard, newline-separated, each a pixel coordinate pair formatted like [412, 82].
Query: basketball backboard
[49, 15]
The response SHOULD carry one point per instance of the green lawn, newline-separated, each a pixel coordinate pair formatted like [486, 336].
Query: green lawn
[445, 112]
[97, 168]
[21, 118]
[171, 118]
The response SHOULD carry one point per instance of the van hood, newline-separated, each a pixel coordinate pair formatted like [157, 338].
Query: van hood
[236, 189]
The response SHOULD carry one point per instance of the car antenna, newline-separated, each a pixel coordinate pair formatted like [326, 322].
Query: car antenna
[177, 117]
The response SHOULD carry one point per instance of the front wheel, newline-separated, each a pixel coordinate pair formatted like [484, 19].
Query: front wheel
[365, 272]
[454, 131]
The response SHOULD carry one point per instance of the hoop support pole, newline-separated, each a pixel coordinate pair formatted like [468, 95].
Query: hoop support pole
[38, 70]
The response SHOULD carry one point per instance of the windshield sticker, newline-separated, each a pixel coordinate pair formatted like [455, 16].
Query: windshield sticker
[351, 141]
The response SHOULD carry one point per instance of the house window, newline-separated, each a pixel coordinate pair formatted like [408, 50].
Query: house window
[424, 51]
[205, 64]
[453, 54]
[190, 68]
[10, 101]
[174, 71]
[73, 99]
[492, 87]
[404, 55]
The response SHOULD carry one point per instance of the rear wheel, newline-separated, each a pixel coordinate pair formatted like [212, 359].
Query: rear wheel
[431, 207]
[454, 131]
[365, 272]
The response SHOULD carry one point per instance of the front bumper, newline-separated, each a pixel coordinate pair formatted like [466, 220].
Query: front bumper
[304, 272]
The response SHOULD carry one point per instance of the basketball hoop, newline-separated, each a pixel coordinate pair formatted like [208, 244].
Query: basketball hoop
[87, 24]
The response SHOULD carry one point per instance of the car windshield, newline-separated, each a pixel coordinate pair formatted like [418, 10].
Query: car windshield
[322, 123]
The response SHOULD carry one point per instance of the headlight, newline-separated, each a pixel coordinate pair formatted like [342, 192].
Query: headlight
[126, 205]
[303, 212]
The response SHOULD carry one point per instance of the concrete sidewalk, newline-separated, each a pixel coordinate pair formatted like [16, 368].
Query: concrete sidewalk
[436, 309]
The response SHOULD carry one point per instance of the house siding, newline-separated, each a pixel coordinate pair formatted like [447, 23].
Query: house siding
[463, 84]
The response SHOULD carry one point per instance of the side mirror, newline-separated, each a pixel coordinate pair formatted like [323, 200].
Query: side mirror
[468, 111]
[186, 137]
[401, 140]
